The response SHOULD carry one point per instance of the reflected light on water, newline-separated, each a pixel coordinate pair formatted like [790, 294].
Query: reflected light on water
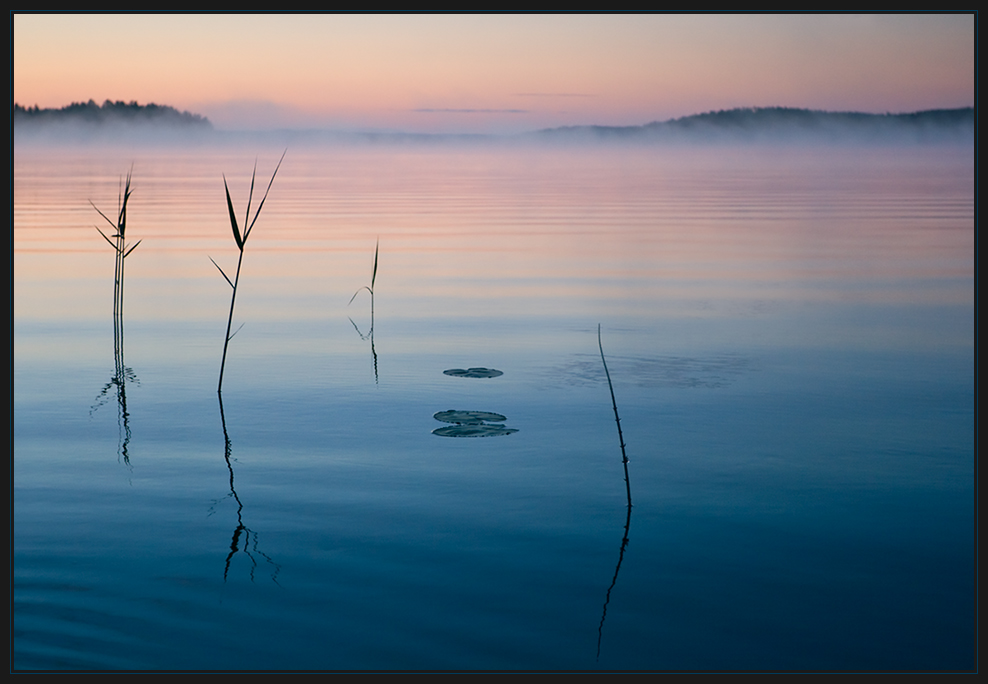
[789, 338]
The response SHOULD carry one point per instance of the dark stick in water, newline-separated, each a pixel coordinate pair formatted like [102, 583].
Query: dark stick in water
[617, 418]
[627, 484]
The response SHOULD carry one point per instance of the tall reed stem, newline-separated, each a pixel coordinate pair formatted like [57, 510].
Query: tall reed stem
[121, 373]
[241, 241]
[229, 321]
[119, 245]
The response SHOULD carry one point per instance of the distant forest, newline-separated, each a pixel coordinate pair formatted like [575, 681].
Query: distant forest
[110, 113]
[786, 123]
[809, 119]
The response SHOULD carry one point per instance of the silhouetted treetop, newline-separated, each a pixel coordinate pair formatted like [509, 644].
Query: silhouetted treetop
[110, 113]
[767, 124]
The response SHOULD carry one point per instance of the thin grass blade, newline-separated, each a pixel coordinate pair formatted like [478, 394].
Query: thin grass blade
[122, 217]
[374, 274]
[358, 292]
[132, 248]
[218, 267]
[105, 238]
[250, 197]
[120, 204]
[233, 219]
[114, 225]
[259, 206]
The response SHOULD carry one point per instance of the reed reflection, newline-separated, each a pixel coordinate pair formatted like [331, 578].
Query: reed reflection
[241, 541]
[122, 374]
[627, 484]
[244, 540]
[370, 332]
[369, 336]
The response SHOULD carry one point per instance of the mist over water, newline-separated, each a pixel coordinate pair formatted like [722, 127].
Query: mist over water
[762, 126]
[789, 333]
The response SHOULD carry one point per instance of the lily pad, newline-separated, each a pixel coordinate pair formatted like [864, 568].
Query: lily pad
[473, 372]
[478, 430]
[468, 417]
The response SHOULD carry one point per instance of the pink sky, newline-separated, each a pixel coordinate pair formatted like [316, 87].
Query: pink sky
[492, 73]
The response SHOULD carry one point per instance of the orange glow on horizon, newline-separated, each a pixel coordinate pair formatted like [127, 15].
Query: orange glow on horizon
[492, 73]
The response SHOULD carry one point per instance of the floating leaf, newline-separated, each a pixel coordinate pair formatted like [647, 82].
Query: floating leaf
[473, 372]
[468, 417]
[481, 430]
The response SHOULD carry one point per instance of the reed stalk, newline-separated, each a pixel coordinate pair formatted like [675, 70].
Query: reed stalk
[121, 373]
[377, 247]
[119, 245]
[617, 418]
[241, 240]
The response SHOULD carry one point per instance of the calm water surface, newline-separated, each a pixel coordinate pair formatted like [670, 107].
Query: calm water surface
[790, 339]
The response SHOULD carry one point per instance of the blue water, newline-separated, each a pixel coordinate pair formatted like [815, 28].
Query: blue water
[790, 339]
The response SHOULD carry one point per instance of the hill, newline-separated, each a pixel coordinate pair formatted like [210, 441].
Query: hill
[785, 124]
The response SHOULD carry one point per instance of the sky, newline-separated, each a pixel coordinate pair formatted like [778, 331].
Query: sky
[502, 73]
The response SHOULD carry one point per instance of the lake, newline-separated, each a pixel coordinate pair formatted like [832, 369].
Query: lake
[789, 333]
